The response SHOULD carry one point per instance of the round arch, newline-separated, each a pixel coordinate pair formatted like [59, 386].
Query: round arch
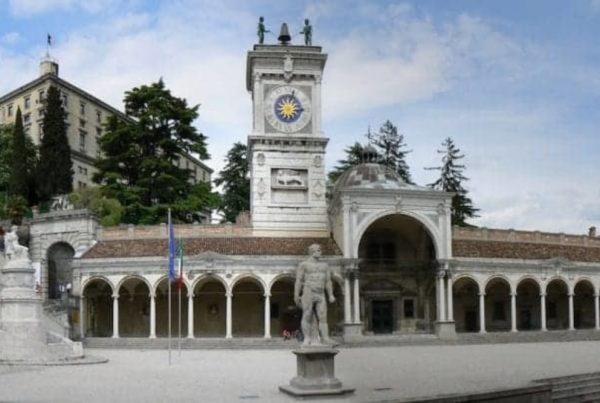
[59, 258]
[248, 302]
[94, 278]
[497, 303]
[210, 304]
[97, 293]
[141, 278]
[424, 221]
[249, 277]
[528, 303]
[559, 278]
[498, 277]
[134, 307]
[557, 303]
[585, 279]
[159, 281]
[161, 295]
[584, 304]
[465, 302]
[285, 315]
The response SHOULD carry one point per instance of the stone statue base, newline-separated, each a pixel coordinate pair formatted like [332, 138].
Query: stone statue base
[23, 338]
[315, 366]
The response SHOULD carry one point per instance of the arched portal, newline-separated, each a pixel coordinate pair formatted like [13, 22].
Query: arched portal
[60, 272]
[285, 315]
[397, 269]
[497, 305]
[557, 305]
[98, 309]
[583, 304]
[248, 308]
[134, 308]
[179, 298]
[528, 305]
[466, 304]
[209, 308]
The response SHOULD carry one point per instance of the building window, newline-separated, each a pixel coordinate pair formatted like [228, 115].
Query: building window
[65, 99]
[98, 132]
[498, 313]
[41, 112]
[27, 118]
[81, 122]
[98, 116]
[82, 141]
[27, 103]
[41, 96]
[9, 110]
[81, 184]
[82, 108]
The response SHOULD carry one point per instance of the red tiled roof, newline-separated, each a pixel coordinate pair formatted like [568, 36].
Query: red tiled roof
[226, 246]
[523, 250]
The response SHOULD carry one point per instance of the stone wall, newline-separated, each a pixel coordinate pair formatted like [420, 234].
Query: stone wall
[515, 236]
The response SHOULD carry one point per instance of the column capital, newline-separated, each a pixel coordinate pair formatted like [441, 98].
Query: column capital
[115, 296]
[596, 295]
[481, 294]
[570, 294]
[267, 295]
[441, 273]
[228, 294]
[513, 294]
[191, 295]
[542, 294]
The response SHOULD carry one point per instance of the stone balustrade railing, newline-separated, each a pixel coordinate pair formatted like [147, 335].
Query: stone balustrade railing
[511, 235]
[181, 231]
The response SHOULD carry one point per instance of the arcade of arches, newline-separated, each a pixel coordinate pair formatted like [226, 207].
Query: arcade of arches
[496, 304]
[136, 308]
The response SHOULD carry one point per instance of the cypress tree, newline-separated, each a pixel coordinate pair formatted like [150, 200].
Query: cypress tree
[354, 156]
[55, 168]
[236, 185]
[20, 171]
[451, 180]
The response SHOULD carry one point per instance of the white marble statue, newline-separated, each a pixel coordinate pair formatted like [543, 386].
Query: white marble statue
[12, 249]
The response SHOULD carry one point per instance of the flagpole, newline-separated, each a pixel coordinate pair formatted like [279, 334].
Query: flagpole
[179, 341]
[169, 285]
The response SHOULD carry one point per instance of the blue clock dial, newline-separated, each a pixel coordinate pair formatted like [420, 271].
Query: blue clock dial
[288, 108]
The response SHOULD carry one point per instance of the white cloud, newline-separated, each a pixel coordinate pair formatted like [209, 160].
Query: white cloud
[10, 38]
[25, 8]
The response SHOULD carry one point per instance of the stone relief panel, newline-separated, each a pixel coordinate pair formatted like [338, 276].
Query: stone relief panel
[289, 186]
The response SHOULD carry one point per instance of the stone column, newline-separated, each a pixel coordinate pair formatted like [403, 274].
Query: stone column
[190, 316]
[228, 333]
[317, 104]
[356, 299]
[347, 301]
[482, 312]
[115, 316]
[441, 297]
[571, 313]
[267, 316]
[450, 316]
[152, 316]
[82, 317]
[543, 311]
[597, 310]
[513, 311]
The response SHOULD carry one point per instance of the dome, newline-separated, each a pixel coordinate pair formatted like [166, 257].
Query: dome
[370, 176]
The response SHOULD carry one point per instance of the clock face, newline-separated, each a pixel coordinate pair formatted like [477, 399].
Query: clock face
[288, 109]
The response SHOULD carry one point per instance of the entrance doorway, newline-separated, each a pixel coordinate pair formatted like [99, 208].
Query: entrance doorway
[382, 316]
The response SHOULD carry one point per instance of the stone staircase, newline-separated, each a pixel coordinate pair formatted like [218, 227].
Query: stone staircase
[575, 388]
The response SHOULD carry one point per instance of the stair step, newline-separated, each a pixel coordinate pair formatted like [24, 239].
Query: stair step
[575, 389]
[589, 395]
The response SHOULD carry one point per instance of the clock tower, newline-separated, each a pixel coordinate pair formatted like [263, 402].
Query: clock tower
[286, 148]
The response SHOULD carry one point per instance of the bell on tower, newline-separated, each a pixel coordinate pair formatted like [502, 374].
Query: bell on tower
[284, 35]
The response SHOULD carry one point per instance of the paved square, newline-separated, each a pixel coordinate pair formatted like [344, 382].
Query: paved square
[377, 373]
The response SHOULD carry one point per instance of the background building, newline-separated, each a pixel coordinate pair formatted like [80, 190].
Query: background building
[85, 118]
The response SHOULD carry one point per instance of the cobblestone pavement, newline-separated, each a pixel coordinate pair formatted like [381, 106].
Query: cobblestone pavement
[377, 373]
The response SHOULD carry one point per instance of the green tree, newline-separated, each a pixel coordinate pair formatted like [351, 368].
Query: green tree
[6, 140]
[139, 166]
[108, 210]
[451, 180]
[55, 168]
[235, 183]
[22, 156]
[391, 148]
[354, 156]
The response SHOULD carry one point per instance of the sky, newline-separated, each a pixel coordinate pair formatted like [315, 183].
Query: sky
[515, 83]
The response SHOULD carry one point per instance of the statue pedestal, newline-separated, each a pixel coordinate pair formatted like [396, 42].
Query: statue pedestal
[445, 330]
[315, 374]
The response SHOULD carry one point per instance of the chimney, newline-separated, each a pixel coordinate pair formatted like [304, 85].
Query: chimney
[592, 232]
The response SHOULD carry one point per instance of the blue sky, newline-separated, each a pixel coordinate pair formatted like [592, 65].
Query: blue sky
[515, 83]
